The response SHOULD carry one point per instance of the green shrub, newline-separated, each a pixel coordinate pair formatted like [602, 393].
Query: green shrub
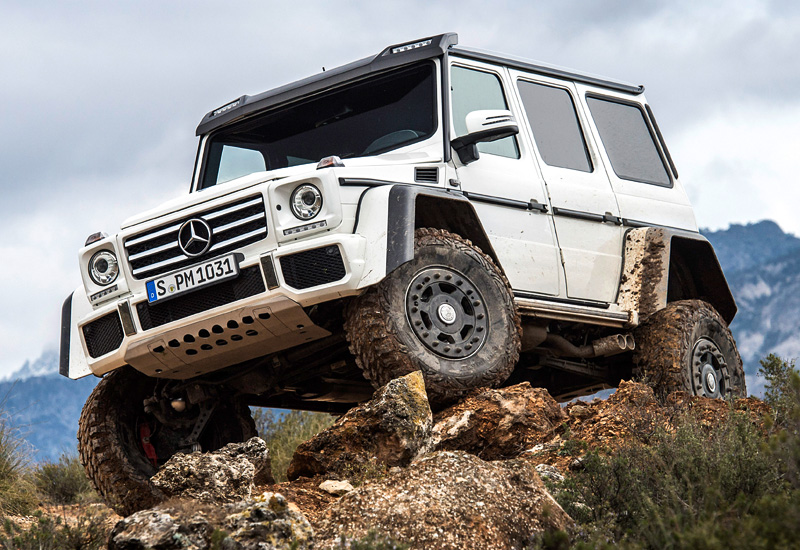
[17, 496]
[283, 432]
[724, 487]
[64, 481]
[782, 388]
[371, 541]
[87, 532]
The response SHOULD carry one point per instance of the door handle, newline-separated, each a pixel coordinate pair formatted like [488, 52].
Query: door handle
[534, 205]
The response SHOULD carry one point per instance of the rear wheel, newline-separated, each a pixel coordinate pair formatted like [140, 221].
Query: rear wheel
[449, 312]
[687, 346]
[121, 446]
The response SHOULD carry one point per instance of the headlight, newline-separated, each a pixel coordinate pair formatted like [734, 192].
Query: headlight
[306, 201]
[103, 268]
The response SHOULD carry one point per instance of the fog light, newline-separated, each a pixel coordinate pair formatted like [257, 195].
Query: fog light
[103, 268]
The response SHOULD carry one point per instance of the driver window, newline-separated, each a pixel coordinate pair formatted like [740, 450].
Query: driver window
[473, 90]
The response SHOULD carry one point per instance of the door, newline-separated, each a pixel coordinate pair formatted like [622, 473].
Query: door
[585, 210]
[504, 186]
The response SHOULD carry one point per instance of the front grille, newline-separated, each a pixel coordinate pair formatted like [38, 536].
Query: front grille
[313, 267]
[426, 175]
[103, 335]
[248, 283]
[233, 226]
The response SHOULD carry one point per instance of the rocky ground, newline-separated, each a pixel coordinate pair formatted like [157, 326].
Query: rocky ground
[469, 475]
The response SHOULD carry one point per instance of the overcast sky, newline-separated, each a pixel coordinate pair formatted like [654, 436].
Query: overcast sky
[99, 102]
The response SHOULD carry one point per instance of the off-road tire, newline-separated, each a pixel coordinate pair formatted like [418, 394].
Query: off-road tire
[675, 344]
[109, 447]
[385, 345]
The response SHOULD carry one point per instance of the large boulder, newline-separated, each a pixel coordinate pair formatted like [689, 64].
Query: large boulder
[495, 424]
[390, 429]
[449, 500]
[226, 475]
[266, 522]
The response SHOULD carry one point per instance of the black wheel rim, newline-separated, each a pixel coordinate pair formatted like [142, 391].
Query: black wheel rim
[709, 369]
[447, 312]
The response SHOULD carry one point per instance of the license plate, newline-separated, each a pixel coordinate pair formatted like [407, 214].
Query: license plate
[192, 278]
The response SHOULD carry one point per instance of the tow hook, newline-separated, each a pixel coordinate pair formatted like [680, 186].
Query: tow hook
[147, 446]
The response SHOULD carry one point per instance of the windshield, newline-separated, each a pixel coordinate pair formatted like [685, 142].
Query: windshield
[366, 118]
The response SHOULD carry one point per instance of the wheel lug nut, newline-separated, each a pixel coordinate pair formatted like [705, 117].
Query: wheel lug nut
[458, 350]
[459, 282]
[480, 316]
[469, 293]
[475, 340]
[448, 277]
[426, 280]
[414, 310]
[447, 348]
[435, 344]
[468, 347]
[419, 287]
[436, 276]
[426, 334]
[479, 329]
[418, 322]
[476, 303]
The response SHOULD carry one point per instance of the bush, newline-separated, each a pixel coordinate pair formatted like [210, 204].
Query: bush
[87, 532]
[64, 481]
[782, 388]
[284, 431]
[16, 492]
[371, 541]
[697, 487]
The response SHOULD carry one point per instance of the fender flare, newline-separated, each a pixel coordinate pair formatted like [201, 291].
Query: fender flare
[411, 207]
[664, 265]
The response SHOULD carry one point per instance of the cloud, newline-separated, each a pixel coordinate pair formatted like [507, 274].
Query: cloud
[100, 101]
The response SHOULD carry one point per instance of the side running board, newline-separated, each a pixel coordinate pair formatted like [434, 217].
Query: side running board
[544, 309]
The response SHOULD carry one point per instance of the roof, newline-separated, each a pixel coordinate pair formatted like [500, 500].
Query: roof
[392, 56]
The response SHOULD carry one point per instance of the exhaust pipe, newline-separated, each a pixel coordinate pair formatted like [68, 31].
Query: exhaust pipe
[602, 347]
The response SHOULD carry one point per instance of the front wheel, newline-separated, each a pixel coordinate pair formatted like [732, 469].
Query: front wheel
[121, 446]
[687, 346]
[449, 312]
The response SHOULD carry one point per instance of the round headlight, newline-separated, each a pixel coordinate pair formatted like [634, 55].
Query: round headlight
[103, 268]
[306, 201]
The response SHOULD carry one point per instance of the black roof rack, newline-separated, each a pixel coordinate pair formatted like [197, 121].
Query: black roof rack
[392, 56]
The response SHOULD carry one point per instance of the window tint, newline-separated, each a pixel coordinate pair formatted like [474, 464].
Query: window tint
[475, 91]
[628, 141]
[551, 113]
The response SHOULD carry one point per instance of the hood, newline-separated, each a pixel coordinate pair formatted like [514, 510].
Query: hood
[198, 197]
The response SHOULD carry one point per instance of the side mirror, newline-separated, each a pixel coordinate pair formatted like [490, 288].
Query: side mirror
[489, 125]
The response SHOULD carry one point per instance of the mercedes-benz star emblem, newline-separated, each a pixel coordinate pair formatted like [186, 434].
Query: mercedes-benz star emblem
[194, 237]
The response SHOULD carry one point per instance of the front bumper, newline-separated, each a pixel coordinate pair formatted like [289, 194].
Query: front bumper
[259, 313]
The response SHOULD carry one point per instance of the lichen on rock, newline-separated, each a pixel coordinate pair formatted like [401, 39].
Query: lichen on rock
[390, 429]
[226, 475]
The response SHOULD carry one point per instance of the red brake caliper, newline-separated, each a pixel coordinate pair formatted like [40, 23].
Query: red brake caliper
[149, 450]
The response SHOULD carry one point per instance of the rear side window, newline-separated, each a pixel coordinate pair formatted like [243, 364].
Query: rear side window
[558, 135]
[476, 91]
[628, 141]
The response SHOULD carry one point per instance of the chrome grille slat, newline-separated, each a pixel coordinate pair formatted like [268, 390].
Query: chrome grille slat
[233, 225]
[236, 223]
[219, 213]
[152, 251]
[238, 239]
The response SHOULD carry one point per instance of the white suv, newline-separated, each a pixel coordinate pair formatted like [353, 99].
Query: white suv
[483, 218]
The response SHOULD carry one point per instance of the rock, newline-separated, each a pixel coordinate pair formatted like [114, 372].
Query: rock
[579, 411]
[336, 488]
[266, 522]
[495, 424]
[449, 500]
[391, 429]
[226, 475]
[549, 472]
